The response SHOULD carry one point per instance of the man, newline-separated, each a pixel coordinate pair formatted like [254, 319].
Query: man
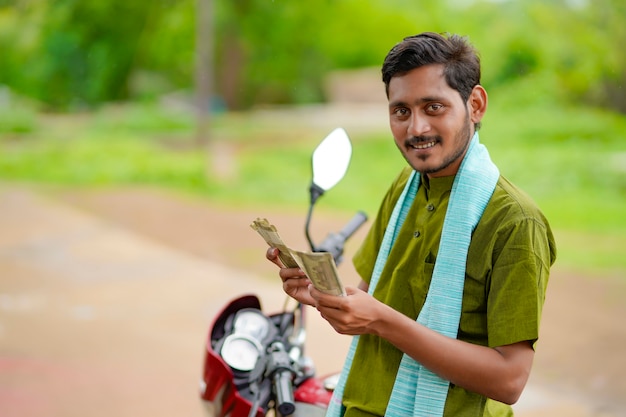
[456, 262]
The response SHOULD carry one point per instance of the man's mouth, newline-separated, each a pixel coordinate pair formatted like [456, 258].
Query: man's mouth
[420, 145]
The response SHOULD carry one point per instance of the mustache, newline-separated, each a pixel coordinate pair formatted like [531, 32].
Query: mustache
[416, 140]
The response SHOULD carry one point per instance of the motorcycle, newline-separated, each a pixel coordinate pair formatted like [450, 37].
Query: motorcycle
[255, 364]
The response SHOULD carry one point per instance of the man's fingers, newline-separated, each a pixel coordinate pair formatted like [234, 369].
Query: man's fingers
[325, 300]
[289, 273]
[272, 256]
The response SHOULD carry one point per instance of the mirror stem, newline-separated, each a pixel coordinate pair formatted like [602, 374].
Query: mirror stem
[306, 228]
[316, 192]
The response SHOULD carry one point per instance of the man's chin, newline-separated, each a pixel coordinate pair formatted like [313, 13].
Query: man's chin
[422, 166]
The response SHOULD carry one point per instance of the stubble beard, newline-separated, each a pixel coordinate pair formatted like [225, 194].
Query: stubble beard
[462, 135]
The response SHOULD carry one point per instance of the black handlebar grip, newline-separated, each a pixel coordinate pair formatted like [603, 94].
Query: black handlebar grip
[353, 225]
[284, 392]
[335, 242]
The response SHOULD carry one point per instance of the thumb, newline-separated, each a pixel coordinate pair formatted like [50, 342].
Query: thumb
[351, 290]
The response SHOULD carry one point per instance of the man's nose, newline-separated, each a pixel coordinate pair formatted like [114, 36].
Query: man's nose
[418, 125]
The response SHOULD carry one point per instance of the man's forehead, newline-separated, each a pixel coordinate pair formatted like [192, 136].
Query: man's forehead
[427, 81]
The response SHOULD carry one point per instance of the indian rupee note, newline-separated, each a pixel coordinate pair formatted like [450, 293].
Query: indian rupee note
[269, 233]
[319, 267]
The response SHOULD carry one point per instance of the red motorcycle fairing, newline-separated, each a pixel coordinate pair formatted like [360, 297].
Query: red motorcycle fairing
[218, 388]
[219, 391]
[245, 301]
[312, 391]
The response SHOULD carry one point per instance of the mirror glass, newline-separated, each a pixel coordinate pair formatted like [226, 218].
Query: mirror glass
[331, 159]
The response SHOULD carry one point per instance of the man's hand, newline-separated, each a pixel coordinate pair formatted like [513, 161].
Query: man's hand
[295, 282]
[351, 314]
[499, 373]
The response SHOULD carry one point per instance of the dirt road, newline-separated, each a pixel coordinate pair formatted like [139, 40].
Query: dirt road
[106, 296]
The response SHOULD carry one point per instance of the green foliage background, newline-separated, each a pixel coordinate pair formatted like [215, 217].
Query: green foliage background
[72, 54]
[82, 85]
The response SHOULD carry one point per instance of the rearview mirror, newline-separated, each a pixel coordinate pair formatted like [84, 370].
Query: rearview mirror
[330, 162]
[331, 159]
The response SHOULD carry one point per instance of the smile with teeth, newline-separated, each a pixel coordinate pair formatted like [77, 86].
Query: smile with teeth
[425, 145]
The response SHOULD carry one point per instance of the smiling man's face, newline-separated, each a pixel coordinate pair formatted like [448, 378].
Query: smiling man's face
[430, 123]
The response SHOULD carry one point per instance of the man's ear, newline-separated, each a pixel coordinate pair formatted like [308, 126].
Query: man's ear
[477, 104]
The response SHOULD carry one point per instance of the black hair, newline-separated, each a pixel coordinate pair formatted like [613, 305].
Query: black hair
[459, 58]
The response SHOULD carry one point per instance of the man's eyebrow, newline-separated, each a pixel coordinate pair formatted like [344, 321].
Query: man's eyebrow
[431, 99]
[397, 103]
[421, 100]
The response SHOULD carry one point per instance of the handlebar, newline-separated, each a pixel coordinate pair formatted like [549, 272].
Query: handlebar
[281, 371]
[353, 225]
[335, 242]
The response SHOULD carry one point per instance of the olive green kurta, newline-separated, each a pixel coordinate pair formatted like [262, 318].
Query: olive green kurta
[508, 265]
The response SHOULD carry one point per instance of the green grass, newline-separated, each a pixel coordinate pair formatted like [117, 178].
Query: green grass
[570, 160]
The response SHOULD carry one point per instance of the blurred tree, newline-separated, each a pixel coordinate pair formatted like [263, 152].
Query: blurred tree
[72, 53]
[78, 54]
[270, 52]
[204, 69]
[85, 51]
[608, 17]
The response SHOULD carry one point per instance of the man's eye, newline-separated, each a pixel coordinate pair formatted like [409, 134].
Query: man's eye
[433, 108]
[401, 112]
